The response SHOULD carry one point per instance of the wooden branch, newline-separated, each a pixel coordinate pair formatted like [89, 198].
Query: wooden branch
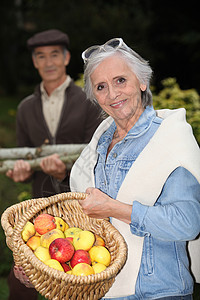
[44, 150]
[35, 163]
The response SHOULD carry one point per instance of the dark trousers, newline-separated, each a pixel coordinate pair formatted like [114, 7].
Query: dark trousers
[18, 291]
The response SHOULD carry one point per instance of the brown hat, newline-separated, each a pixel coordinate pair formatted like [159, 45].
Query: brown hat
[47, 38]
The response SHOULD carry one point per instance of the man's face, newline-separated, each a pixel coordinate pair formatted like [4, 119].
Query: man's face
[51, 62]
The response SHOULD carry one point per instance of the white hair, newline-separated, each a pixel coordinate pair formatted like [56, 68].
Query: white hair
[137, 64]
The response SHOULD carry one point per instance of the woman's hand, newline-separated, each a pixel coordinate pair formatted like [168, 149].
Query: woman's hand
[20, 274]
[96, 204]
[99, 205]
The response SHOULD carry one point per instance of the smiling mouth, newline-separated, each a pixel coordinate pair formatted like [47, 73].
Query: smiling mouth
[49, 70]
[118, 103]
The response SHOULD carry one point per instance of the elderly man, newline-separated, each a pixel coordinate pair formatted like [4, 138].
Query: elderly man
[56, 113]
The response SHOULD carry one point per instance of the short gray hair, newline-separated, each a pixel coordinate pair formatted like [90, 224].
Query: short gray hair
[138, 65]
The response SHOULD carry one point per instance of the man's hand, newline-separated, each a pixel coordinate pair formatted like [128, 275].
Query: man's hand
[21, 171]
[20, 274]
[53, 165]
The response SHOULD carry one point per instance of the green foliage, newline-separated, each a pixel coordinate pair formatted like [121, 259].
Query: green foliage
[24, 196]
[80, 81]
[3, 288]
[10, 192]
[172, 97]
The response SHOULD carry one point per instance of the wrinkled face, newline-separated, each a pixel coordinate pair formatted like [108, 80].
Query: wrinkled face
[51, 63]
[117, 89]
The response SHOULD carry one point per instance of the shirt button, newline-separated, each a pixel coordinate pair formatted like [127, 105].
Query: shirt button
[115, 155]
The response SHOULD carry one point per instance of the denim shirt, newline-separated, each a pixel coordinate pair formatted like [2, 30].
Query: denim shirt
[164, 269]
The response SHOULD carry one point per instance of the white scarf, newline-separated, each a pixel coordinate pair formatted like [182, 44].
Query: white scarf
[172, 145]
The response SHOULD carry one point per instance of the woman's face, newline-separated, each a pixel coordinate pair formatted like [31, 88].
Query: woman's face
[117, 90]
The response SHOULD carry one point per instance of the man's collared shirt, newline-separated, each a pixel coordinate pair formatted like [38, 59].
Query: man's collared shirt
[52, 105]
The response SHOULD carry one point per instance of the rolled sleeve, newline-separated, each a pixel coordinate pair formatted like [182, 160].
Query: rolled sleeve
[139, 212]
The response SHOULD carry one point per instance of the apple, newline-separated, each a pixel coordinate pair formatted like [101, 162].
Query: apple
[66, 267]
[44, 223]
[28, 231]
[61, 250]
[82, 269]
[61, 224]
[83, 240]
[53, 263]
[42, 253]
[70, 238]
[33, 242]
[37, 234]
[80, 256]
[98, 267]
[99, 241]
[100, 254]
[47, 238]
[71, 231]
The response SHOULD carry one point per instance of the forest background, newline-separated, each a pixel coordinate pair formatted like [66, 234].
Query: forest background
[167, 33]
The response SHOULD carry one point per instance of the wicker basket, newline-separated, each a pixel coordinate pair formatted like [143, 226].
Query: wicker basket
[51, 283]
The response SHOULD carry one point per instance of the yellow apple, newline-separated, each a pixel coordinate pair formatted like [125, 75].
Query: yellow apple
[71, 231]
[42, 253]
[37, 234]
[83, 240]
[47, 238]
[61, 224]
[28, 231]
[33, 242]
[100, 254]
[98, 267]
[53, 263]
[82, 269]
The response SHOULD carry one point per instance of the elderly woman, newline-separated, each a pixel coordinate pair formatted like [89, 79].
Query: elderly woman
[141, 169]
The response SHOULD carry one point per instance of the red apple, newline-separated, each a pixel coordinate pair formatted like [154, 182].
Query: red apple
[61, 250]
[70, 238]
[44, 223]
[66, 267]
[80, 256]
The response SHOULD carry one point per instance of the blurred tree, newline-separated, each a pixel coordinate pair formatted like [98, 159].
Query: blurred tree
[172, 97]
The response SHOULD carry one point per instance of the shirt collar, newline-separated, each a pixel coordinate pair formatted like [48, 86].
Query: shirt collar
[59, 89]
[140, 127]
[143, 123]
